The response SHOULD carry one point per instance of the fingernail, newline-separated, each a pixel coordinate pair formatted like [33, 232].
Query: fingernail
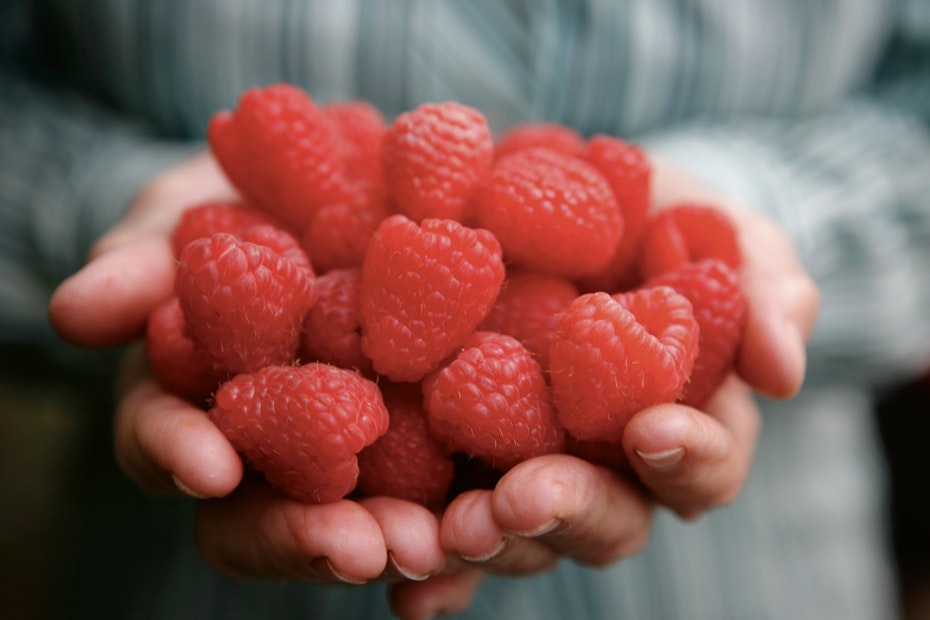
[797, 352]
[403, 572]
[324, 567]
[186, 490]
[489, 556]
[546, 528]
[664, 460]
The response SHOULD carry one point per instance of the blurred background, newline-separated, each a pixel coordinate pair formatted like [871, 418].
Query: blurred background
[904, 421]
[61, 492]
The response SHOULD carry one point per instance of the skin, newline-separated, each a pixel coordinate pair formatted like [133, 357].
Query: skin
[542, 510]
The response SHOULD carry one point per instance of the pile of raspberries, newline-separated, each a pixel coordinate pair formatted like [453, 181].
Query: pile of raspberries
[411, 308]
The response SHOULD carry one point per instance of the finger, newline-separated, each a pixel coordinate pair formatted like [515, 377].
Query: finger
[131, 268]
[107, 303]
[782, 306]
[258, 533]
[694, 461]
[440, 595]
[165, 445]
[411, 535]
[574, 508]
[782, 300]
[470, 531]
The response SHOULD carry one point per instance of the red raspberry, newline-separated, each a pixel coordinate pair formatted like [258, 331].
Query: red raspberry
[423, 290]
[688, 233]
[434, 157]
[302, 426]
[492, 402]
[528, 308]
[613, 356]
[204, 219]
[407, 462]
[713, 289]
[338, 234]
[279, 240]
[541, 134]
[281, 151]
[360, 128]
[243, 303]
[629, 173]
[332, 327]
[551, 212]
[177, 366]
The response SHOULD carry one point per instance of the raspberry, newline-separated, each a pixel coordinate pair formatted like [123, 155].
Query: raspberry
[177, 366]
[237, 219]
[331, 329]
[281, 242]
[551, 212]
[714, 291]
[434, 157]
[204, 219]
[492, 402]
[302, 426]
[528, 308]
[552, 136]
[629, 173]
[407, 462]
[686, 233]
[338, 233]
[615, 355]
[423, 290]
[360, 129]
[243, 303]
[281, 151]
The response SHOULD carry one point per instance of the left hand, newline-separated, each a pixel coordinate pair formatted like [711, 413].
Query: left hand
[686, 460]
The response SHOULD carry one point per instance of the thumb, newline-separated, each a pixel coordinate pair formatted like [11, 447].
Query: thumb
[131, 268]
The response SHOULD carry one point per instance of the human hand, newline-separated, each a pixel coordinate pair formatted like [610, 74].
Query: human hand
[166, 445]
[686, 460]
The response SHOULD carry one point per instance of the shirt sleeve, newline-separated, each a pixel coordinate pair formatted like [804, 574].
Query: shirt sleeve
[69, 168]
[851, 186]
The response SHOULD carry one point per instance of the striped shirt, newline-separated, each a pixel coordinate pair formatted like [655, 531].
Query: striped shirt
[815, 111]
